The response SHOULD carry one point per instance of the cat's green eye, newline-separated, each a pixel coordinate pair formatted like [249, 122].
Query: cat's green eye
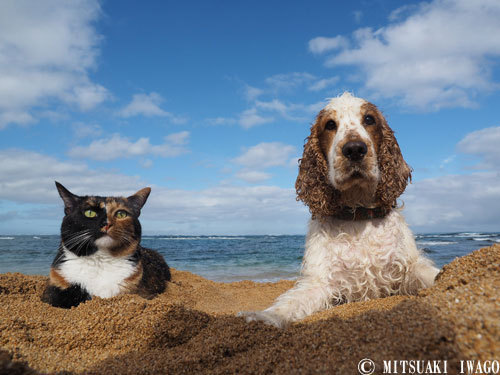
[121, 214]
[90, 213]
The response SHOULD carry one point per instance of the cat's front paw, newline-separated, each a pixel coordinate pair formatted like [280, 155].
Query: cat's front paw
[266, 317]
[64, 298]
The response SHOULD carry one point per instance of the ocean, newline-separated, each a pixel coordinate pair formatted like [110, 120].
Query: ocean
[228, 258]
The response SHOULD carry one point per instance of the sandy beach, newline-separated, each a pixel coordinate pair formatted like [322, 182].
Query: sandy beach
[192, 328]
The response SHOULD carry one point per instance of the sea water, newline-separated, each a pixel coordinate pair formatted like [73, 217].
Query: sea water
[228, 258]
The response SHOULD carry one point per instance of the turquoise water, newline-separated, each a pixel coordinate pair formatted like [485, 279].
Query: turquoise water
[228, 258]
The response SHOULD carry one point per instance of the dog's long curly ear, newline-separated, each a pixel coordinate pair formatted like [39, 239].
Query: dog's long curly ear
[312, 184]
[395, 173]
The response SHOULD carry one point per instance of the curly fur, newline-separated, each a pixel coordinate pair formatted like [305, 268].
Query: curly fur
[351, 260]
[312, 185]
[395, 173]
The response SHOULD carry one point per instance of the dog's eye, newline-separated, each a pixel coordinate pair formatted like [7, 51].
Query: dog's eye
[330, 125]
[369, 120]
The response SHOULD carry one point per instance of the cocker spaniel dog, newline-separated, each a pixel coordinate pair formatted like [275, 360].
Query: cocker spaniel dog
[358, 246]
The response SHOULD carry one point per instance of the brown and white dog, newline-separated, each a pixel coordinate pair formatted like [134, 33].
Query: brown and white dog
[358, 246]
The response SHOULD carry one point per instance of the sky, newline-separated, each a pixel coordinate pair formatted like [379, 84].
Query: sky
[209, 104]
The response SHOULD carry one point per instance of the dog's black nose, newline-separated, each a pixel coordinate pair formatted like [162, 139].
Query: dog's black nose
[355, 150]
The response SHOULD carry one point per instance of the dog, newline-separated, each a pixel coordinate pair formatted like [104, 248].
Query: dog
[358, 246]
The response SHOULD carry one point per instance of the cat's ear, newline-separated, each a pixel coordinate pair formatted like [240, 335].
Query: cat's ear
[70, 200]
[139, 199]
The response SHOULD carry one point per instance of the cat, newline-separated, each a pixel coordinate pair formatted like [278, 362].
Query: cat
[100, 252]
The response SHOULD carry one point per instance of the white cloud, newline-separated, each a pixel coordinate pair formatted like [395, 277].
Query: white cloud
[484, 143]
[323, 83]
[454, 203]
[256, 159]
[264, 112]
[54, 115]
[440, 55]
[225, 210]
[28, 177]
[178, 120]
[265, 155]
[465, 202]
[15, 117]
[144, 104]
[447, 161]
[149, 105]
[89, 96]
[83, 130]
[146, 163]
[291, 111]
[252, 93]
[253, 176]
[47, 49]
[403, 12]
[322, 44]
[117, 147]
[180, 138]
[358, 15]
[265, 104]
[288, 81]
[221, 121]
[273, 105]
[250, 118]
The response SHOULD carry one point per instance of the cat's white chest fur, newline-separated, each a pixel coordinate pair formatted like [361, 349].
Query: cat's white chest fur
[100, 274]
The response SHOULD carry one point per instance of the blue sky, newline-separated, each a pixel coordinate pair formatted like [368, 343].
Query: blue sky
[209, 103]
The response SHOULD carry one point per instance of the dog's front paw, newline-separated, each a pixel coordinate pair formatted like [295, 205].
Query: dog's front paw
[267, 317]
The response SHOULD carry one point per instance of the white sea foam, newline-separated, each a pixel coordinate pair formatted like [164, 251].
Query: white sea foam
[437, 236]
[201, 238]
[487, 239]
[472, 234]
[6, 238]
[453, 235]
[432, 243]
[262, 277]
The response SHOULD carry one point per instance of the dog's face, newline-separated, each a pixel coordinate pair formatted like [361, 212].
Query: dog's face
[349, 132]
[350, 159]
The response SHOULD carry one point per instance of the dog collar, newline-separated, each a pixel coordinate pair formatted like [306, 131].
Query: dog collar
[361, 213]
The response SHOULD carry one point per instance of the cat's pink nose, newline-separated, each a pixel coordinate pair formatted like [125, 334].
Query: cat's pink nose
[106, 227]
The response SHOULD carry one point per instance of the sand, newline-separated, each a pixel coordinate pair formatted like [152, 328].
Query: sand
[191, 328]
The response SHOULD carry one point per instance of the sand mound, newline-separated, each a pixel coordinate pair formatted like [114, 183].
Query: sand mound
[191, 328]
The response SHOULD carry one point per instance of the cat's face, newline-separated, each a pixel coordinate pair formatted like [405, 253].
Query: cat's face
[93, 222]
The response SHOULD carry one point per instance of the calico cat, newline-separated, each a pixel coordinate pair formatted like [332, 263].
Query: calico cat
[100, 252]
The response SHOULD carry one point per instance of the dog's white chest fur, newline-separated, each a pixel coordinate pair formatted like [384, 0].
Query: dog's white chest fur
[363, 259]
[100, 274]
